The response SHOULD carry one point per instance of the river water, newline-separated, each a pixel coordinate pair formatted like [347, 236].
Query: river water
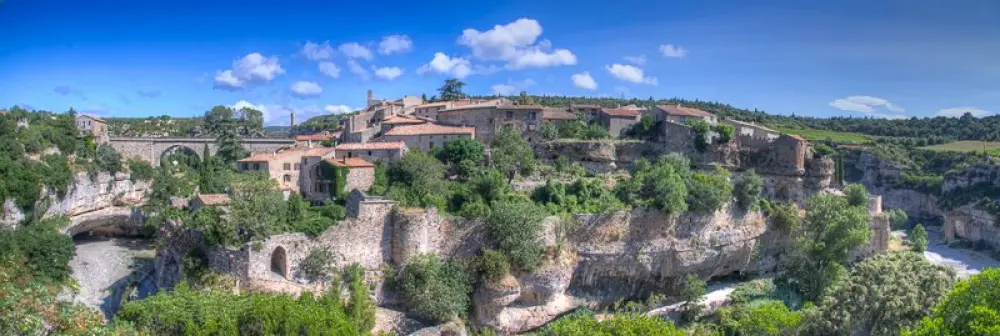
[108, 269]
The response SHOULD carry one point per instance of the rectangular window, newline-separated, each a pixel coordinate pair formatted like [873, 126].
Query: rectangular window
[432, 145]
[256, 166]
[297, 166]
[288, 178]
[287, 166]
[369, 153]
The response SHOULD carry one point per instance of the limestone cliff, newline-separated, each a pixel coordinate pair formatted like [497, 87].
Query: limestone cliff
[878, 176]
[86, 200]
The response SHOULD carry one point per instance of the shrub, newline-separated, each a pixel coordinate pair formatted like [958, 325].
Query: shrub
[821, 150]
[140, 169]
[971, 308]
[785, 217]
[516, 228]
[898, 218]
[856, 195]
[694, 290]
[493, 264]
[417, 180]
[435, 290]
[725, 133]
[766, 318]
[318, 265]
[584, 324]
[46, 251]
[456, 151]
[709, 192]
[108, 159]
[918, 236]
[747, 190]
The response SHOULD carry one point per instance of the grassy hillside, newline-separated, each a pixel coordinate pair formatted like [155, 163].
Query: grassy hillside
[964, 146]
[817, 134]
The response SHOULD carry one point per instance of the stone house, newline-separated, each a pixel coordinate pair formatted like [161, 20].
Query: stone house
[427, 136]
[286, 167]
[591, 111]
[87, 124]
[360, 173]
[750, 129]
[400, 120]
[366, 124]
[206, 200]
[680, 114]
[311, 140]
[374, 151]
[618, 121]
[557, 115]
[487, 120]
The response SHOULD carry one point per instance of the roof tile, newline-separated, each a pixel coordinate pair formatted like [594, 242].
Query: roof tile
[429, 129]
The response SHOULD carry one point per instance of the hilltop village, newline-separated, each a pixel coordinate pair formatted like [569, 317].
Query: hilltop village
[480, 216]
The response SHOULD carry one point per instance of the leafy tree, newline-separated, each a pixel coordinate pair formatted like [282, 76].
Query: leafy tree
[216, 229]
[258, 207]
[971, 308]
[493, 264]
[108, 159]
[881, 296]
[45, 250]
[661, 185]
[417, 180]
[918, 236]
[456, 151]
[516, 228]
[221, 120]
[725, 133]
[452, 90]
[692, 294]
[764, 318]
[140, 169]
[525, 99]
[512, 153]
[898, 218]
[709, 192]
[785, 217]
[361, 308]
[626, 323]
[435, 290]
[549, 131]
[856, 194]
[747, 190]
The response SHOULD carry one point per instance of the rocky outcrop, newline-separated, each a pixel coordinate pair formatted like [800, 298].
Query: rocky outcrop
[970, 223]
[12, 215]
[111, 194]
[879, 175]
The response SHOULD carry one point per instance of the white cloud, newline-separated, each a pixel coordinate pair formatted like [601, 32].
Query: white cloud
[516, 44]
[637, 60]
[669, 50]
[959, 111]
[354, 50]
[317, 52]
[503, 89]
[337, 109]
[865, 104]
[631, 74]
[389, 73]
[329, 69]
[265, 111]
[358, 70]
[395, 44]
[456, 67]
[251, 68]
[303, 89]
[583, 80]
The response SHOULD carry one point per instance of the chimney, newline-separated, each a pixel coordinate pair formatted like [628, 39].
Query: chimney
[370, 97]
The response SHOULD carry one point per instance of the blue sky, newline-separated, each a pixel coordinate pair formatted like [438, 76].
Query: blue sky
[892, 58]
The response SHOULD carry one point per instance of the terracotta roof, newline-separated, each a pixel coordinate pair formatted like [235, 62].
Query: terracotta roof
[683, 111]
[443, 103]
[91, 117]
[397, 120]
[520, 107]
[3, 111]
[551, 113]
[372, 145]
[621, 113]
[214, 199]
[428, 128]
[314, 137]
[318, 151]
[584, 106]
[272, 157]
[350, 162]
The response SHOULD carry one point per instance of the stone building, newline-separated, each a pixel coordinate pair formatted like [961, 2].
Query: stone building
[618, 121]
[427, 136]
[286, 167]
[374, 151]
[367, 123]
[487, 120]
[400, 120]
[557, 115]
[430, 110]
[207, 200]
[360, 173]
[311, 140]
[680, 114]
[87, 124]
[590, 111]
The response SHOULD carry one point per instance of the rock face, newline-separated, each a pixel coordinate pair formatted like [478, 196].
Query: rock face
[878, 176]
[113, 194]
[972, 224]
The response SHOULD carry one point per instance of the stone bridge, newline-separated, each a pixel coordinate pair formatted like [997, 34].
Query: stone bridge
[154, 149]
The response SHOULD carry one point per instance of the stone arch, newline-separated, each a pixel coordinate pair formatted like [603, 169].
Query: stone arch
[179, 147]
[279, 262]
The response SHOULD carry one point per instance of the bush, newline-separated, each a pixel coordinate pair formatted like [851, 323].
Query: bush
[747, 190]
[709, 192]
[141, 170]
[108, 159]
[971, 308]
[456, 151]
[435, 290]
[417, 180]
[583, 324]
[785, 217]
[694, 290]
[766, 318]
[918, 236]
[856, 195]
[516, 228]
[46, 251]
[725, 133]
[493, 264]
[318, 265]
[898, 218]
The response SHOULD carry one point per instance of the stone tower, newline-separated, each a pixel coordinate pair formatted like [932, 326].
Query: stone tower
[371, 97]
[291, 130]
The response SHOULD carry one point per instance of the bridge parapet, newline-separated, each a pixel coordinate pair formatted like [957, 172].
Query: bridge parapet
[152, 149]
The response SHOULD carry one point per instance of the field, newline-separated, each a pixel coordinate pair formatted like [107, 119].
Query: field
[964, 146]
[815, 134]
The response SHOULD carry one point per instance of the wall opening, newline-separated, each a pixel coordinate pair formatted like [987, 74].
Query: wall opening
[279, 263]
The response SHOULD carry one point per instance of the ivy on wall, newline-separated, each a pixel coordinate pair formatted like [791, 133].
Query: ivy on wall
[337, 176]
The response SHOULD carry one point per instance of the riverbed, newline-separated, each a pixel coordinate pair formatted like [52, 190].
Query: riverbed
[106, 268]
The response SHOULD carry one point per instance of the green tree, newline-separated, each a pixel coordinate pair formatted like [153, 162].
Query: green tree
[785, 217]
[213, 174]
[434, 289]
[881, 296]
[417, 180]
[898, 218]
[140, 169]
[516, 228]
[511, 153]
[46, 251]
[764, 318]
[251, 120]
[709, 192]
[452, 90]
[525, 99]
[221, 121]
[725, 133]
[747, 190]
[456, 151]
[626, 323]
[108, 159]
[971, 308]
[258, 207]
[918, 237]
[856, 194]
[692, 294]
[549, 131]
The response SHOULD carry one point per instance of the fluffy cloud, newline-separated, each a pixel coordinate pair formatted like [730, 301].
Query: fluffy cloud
[337, 109]
[669, 50]
[456, 67]
[354, 50]
[317, 51]
[637, 60]
[864, 104]
[630, 73]
[503, 89]
[303, 89]
[959, 111]
[583, 80]
[329, 69]
[395, 44]
[358, 70]
[251, 68]
[388, 73]
[516, 44]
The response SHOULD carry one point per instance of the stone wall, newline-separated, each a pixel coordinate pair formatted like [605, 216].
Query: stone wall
[972, 224]
[152, 149]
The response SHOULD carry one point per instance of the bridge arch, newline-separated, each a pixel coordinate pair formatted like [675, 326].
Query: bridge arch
[180, 148]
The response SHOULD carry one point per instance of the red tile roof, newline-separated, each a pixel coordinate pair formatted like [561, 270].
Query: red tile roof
[429, 129]
[373, 145]
[678, 110]
[350, 162]
[399, 120]
[314, 137]
[551, 113]
[214, 199]
[322, 151]
[621, 113]
[584, 106]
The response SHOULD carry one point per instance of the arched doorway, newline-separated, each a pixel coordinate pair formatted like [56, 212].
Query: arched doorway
[279, 263]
